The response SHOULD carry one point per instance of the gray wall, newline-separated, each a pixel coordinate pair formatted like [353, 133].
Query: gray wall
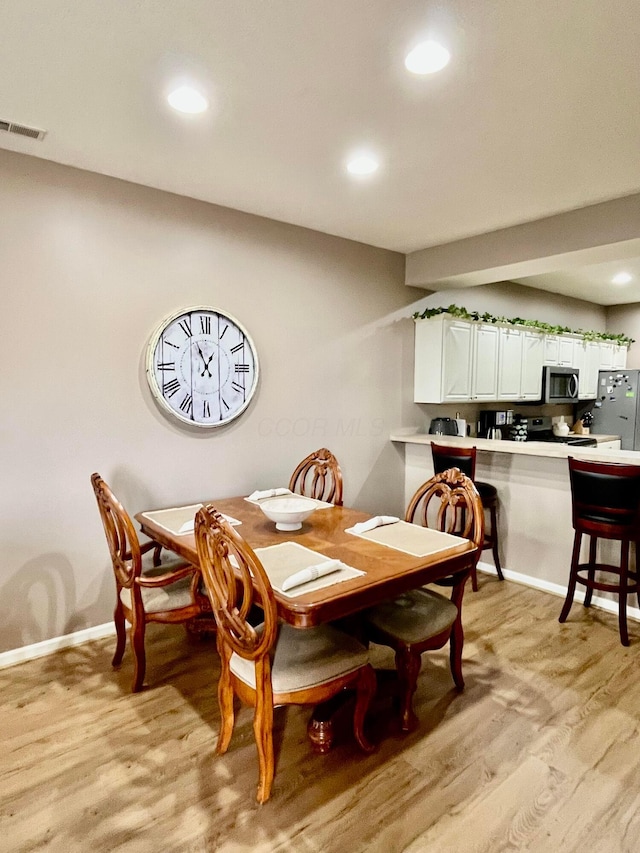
[625, 319]
[90, 265]
[509, 299]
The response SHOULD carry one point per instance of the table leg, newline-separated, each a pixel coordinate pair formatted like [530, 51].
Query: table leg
[336, 715]
[321, 726]
[201, 627]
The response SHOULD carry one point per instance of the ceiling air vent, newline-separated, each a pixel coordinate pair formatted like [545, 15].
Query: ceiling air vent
[22, 129]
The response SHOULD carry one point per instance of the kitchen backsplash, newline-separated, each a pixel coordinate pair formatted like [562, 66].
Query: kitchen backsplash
[470, 412]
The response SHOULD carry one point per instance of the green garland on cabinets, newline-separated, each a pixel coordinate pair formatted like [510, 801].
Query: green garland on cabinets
[546, 328]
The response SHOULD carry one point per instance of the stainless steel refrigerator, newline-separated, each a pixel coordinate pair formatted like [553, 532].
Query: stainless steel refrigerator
[616, 411]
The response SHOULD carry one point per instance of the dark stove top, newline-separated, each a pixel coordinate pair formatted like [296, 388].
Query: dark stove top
[540, 428]
[547, 435]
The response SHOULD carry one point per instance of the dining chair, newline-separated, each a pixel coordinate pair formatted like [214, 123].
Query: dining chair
[318, 476]
[450, 456]
[145, 591]
[423, 620]
[273, 663]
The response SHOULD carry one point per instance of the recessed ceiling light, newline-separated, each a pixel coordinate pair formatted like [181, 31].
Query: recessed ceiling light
[362, 164]
[621, 278]
[187, 100]
[427, 58]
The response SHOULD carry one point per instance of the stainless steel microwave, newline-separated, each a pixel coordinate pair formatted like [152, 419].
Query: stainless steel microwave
[560, 384]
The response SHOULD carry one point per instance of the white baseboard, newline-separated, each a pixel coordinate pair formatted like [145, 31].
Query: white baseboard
[46, 647]
[66, 641]
[607, 604]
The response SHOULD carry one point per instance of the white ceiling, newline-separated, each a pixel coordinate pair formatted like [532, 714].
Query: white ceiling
[593, 282]
[537, 113]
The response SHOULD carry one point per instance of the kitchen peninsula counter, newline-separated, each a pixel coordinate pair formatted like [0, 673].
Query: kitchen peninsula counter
[552, 449]
[534, 502]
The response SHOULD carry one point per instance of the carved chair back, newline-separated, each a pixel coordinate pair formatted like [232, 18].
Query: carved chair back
[318, 476]
[449, 502]
[235, 578]
[122, 539]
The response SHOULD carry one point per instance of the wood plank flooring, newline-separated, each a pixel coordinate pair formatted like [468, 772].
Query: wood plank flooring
[540, 753]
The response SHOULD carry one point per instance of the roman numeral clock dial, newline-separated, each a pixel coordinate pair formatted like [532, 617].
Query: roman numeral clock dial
[202, 366]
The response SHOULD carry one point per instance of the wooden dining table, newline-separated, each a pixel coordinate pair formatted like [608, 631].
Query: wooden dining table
[386, 572]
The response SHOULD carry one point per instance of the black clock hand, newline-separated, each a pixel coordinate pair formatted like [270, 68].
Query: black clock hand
[205, 362]
[206, 366]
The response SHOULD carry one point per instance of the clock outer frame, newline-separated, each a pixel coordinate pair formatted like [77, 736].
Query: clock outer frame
[151, 378]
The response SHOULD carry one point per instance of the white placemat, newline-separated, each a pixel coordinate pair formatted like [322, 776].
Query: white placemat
[284, 493]
[282, 560]
[179, 519]
[411, 538]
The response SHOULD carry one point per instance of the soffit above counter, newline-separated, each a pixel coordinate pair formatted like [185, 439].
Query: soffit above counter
[591, 235]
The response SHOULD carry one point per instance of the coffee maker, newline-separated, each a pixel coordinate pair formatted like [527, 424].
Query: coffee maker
[493, 424]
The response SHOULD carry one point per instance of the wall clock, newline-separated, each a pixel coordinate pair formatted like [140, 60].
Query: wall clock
[202, 366]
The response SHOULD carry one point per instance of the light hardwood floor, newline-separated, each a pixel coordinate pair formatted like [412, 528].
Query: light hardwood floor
[540, 753]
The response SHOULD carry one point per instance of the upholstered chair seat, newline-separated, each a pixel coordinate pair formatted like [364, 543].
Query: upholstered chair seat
[305, 658]
[486, 491]
[173, 597]
[414, 616]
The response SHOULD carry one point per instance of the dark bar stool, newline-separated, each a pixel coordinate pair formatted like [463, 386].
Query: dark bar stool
[464, 458]
[606, 505]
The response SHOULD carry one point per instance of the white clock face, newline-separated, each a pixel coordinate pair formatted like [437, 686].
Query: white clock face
[202, 366]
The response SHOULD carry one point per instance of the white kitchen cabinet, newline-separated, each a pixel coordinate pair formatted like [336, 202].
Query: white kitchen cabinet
[442, 369]
[606, 355]
[532, 358]
[619, 357]
[484, 382]
[580, 364]
[457, 361]
[510, 372]
[566, 351]
[551, 350]
[558, 350]
[609, 445]
[587, 362]
[521, 357]
[592, 367]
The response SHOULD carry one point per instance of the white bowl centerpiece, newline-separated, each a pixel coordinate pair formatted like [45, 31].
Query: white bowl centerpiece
[288, 513]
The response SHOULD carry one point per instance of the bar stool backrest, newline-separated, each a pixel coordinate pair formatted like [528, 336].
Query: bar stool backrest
[605, 498]
[445, 457]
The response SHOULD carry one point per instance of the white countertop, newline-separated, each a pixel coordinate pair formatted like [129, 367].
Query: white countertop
[521, 448]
